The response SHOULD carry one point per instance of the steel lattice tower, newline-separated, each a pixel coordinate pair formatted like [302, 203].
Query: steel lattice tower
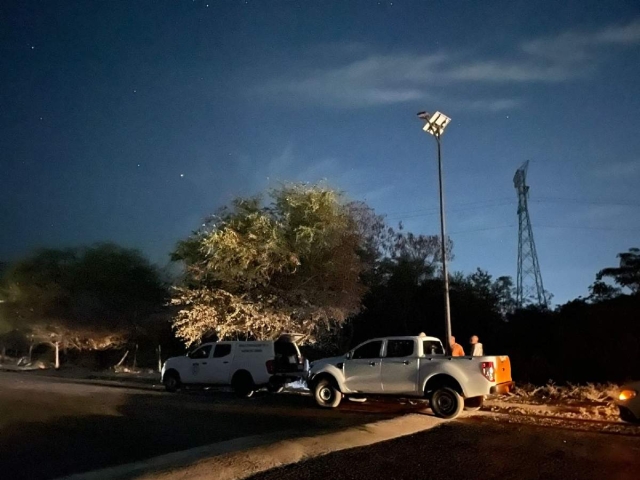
[529, 281]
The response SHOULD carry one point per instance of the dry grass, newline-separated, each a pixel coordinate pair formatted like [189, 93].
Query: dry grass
[591, 393]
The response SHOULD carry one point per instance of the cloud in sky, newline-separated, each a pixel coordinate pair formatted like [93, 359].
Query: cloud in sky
[617, 169]
[288, 166]
[384, 79]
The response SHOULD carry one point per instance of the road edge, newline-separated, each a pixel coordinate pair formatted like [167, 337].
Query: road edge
[243, 457]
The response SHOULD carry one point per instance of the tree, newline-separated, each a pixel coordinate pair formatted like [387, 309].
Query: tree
[395, 303]
[255, 270]
[627, 274]
[600, 290]
[83, 298]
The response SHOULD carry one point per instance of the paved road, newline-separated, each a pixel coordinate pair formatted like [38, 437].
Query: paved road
[51, 427]
[479, 449]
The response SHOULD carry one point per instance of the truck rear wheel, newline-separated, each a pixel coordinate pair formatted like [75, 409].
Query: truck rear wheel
[242, 384]
[446, 403]
[473, 403]
[326, 393]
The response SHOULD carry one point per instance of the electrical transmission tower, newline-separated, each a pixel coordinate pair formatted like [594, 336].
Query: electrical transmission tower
[529, 281]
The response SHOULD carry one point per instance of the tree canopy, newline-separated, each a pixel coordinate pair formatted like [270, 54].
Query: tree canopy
[84, 298]
[626, 275]
[256, 270]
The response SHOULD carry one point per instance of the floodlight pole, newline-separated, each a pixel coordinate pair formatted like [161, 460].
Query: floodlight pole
[443, 245]
[435, 125]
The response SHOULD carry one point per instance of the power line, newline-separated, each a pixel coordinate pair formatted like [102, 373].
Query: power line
[479, 203]
[578, 227]
[583, 202]
[505, 201]
[426, 213]
[472, 230]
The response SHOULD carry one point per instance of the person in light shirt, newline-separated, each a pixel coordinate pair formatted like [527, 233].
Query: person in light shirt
[476, 347]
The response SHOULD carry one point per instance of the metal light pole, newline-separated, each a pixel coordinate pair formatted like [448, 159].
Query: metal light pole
[435, 125]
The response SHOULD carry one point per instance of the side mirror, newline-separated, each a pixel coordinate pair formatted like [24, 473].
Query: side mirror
[348, 356]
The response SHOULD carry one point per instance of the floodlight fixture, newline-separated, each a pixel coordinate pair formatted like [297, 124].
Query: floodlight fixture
[435, 124]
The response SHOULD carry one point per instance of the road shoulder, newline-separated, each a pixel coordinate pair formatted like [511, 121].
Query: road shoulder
[243, 457]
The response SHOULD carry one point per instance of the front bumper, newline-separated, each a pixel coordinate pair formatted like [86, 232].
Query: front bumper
[502, 388]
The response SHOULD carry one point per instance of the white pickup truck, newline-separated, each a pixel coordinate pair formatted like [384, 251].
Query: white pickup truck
[413, 366]
[246, 366]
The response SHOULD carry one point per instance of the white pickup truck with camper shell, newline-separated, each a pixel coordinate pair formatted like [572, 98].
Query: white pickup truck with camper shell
[411, 366]
[245, 365]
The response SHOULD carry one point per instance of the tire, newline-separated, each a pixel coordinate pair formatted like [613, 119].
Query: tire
[446, 403]
[326, 393]
[171, 381]
[242, 384]
[473, 404]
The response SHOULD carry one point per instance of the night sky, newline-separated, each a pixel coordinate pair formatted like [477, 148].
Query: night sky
[130, 121]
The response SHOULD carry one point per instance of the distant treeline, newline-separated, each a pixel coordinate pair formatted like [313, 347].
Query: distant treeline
[304, 259]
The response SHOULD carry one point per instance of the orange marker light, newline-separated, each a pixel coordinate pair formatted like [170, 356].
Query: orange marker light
[627, 394]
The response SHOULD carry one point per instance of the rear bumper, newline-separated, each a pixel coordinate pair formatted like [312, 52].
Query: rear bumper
[502, 388]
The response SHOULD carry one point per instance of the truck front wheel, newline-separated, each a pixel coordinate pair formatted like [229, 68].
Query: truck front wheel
[171, 381]
[446, 403]
[326, 393]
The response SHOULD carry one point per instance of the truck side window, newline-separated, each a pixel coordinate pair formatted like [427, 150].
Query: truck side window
[432, 347]
[399, 348]
[222, 350]
[368, 350]
[202, 352]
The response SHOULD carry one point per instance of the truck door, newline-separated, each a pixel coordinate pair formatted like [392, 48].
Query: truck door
[400, 367]
[219, 366]
[197, 365]
[362, 369]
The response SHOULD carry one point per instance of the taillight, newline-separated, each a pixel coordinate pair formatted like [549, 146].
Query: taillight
[270, 367]
[488, 371]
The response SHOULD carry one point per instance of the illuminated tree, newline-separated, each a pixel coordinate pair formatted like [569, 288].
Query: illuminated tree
[256, 270]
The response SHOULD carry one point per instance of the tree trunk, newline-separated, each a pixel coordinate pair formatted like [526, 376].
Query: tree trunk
[159, 358]
[123, 358]
[135, 357]
[30, 352]
[57, 355]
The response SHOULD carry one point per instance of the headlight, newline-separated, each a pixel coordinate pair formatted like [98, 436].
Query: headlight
[627, 394]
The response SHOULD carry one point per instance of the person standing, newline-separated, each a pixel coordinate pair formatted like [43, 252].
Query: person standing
[456, 348]
[476, 347]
